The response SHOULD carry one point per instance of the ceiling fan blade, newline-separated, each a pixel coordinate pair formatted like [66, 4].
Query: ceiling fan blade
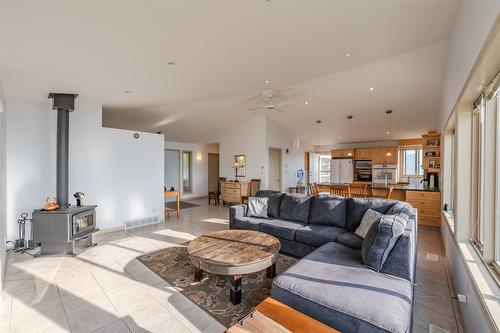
[256, 108]
[283, 104]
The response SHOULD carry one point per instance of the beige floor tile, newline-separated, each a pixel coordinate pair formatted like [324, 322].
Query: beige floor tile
[154, 318]
[89, 313]
[38, 311]
[118, 326]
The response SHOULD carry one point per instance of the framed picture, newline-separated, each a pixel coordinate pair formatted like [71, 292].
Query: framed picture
[240, 163]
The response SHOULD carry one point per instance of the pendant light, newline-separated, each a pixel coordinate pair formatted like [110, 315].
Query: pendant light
[388, 129]
[318, 131]
[349, 133]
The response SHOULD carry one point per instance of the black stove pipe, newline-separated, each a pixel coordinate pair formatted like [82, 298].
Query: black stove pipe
[62, 157]
[64, 104]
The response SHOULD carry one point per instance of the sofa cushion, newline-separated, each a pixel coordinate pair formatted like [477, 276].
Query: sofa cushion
[332, 285]
[401, 208]
[357, 207]
[368, 219]
[351, 240]
[257, 207]
[280, 228]
[328, 210]
[380, 240]
[274, 202]
[317, 235]
[247, 222]
[295, 207]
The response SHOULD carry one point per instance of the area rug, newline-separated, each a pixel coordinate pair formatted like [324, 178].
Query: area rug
[182, 205]
[212, 293]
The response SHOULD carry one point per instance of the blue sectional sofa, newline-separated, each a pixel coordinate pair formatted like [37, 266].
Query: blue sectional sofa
[331, 282]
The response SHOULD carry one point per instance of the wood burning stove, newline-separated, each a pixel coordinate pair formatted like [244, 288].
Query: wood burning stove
[64, 231]
[69, 229]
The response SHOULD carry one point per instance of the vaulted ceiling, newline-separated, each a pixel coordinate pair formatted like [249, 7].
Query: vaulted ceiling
[118, 53]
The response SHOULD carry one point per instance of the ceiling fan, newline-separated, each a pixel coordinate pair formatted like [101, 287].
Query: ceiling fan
[270, 99]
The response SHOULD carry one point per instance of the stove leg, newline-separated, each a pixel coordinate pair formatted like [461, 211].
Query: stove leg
[235, 291]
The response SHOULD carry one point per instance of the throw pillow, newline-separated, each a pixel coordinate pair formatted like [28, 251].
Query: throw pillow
[328, 210]
[357, 207]
[369, 218]
[295, 207]
[257, 207]
[274, 203]
[380, 240]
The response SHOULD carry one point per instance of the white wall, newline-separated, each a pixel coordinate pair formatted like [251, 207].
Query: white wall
[122, 175]
[249, 138]
[473, 22]
[3, 190]
[199, 168]
[277, 137]
[253, 139]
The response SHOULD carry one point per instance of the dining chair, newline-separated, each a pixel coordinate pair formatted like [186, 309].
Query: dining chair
[253, 188]
[389, 192]
[215, 195]
[358, 190]
[340, 191]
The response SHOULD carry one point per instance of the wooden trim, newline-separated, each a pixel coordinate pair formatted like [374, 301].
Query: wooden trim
[291, 319]
[411, 142]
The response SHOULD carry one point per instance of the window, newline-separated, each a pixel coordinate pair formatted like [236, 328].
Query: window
[485, 168]
[324, 168]
[186, 171]
[411, 161]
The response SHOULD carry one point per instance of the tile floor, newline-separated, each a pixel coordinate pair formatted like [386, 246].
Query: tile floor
[105, 289]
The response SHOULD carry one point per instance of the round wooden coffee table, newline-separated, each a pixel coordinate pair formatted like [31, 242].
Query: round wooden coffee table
[234, 253]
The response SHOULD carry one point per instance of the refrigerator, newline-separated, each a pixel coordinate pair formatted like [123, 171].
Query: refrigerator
[341, 170]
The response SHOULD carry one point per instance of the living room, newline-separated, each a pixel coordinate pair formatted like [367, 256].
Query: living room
[253, 166]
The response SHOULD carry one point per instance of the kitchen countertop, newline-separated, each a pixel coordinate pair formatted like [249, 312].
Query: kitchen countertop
[410, 187]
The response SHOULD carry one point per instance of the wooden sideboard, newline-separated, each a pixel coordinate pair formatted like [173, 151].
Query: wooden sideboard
[231, 192]
[428, 205]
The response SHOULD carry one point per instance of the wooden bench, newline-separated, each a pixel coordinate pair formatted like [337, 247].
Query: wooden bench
[271, 316]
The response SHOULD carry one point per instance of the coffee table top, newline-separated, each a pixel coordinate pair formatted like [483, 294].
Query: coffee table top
[232, 252]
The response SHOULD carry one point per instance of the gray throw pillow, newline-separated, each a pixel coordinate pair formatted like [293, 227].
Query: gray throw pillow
[295, 207]
[257, 207]
[369, 218]
[357, 207]
[380, 240]
[274, 203]
[328, 210]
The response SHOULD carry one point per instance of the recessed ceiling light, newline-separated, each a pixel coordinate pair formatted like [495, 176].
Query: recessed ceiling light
[371, 88]
[267, 81]
[128, 91]
[306, 102]
[171, 62]
[348, 54]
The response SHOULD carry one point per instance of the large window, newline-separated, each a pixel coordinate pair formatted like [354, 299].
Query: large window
[411, 162]
[485, 168]
[186, 171]
[324, 168]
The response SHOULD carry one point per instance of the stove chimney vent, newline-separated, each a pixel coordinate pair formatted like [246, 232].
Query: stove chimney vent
[64, 104]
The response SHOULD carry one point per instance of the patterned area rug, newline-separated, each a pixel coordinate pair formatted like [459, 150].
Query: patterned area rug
[212, 293]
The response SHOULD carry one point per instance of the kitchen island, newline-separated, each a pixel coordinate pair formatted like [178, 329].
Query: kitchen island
[426, 199]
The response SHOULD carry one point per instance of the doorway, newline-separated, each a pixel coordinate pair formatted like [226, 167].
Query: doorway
[274, 177]
[172, 169]
[213, 172]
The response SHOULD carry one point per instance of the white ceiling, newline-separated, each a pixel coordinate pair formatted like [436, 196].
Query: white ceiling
[224, 51]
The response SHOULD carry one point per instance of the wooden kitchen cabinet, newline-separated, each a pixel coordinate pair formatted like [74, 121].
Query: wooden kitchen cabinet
[363, 154]
[428, 205]
[343, 153]
[379, 155]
